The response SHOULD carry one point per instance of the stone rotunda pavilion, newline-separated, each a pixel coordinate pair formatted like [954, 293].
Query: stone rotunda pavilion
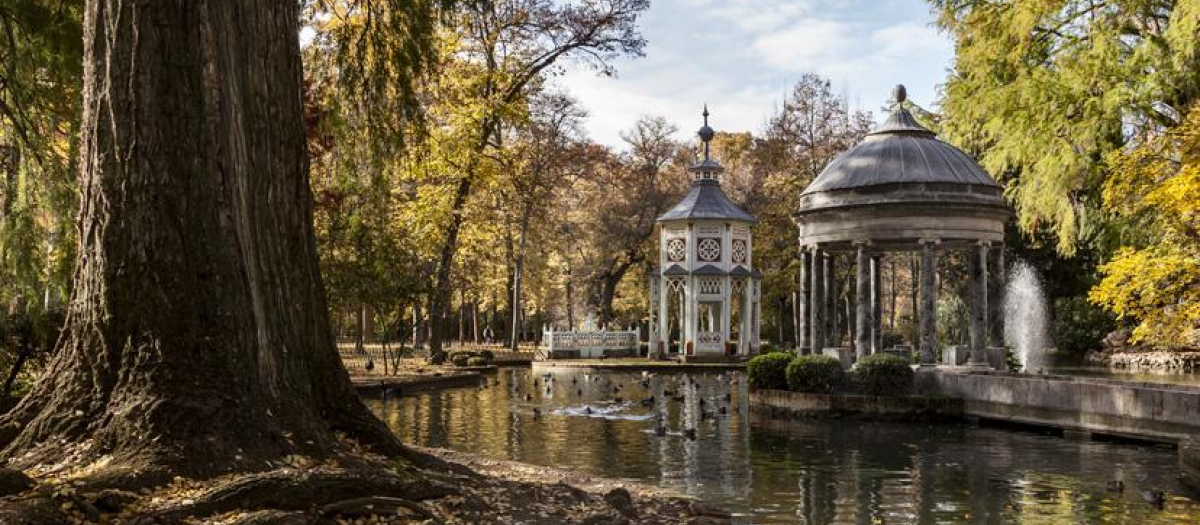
[901, 190]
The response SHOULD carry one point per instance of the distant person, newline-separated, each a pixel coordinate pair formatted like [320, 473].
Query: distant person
[487, 335]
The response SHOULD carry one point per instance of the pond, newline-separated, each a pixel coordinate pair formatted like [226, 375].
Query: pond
[803, 471]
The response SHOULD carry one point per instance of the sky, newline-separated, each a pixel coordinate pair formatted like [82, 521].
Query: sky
[742, 56]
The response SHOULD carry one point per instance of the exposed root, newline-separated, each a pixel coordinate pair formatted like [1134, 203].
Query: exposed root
[377, 505]
[290, 489]
[370, 491]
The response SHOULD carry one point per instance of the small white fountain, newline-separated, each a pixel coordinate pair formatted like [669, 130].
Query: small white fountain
[1027, 318]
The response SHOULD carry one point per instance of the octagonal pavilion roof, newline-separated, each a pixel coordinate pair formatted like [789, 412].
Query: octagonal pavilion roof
[705, 199]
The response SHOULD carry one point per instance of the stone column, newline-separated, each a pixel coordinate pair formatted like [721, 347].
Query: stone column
[996, 283]
[664, 321]
[745, 344]
[876, 304]
[803, 336]
[830, 304]
[928, 301]
[862, 302]
[816, 324]
[979, 305]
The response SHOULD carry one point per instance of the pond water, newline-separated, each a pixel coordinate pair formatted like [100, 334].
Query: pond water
[809, 472]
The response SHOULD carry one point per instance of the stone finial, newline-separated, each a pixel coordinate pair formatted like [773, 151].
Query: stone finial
[899, 94]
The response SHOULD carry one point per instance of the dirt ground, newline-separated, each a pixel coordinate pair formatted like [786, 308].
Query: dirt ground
[433, 487]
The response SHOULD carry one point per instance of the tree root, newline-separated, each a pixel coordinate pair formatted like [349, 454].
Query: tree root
[375, 505]
[289, 490]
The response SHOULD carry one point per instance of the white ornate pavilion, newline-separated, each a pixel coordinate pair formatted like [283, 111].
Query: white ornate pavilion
[704, 294]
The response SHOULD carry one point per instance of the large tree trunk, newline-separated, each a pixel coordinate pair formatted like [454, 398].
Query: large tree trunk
[197, 340]
[607, 283]
[439, 302]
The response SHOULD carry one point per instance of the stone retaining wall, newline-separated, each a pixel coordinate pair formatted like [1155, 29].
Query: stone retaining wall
[1151, 411]
[799, 404]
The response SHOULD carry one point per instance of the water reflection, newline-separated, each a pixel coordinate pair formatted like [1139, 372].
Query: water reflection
[812, 472]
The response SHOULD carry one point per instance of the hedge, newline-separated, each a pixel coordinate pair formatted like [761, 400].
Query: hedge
[883, 375]
[769, 371]
[817, 374]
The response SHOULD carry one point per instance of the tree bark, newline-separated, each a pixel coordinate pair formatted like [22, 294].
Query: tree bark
[608, 281]
[440, 300]
[197, 340]
[518, 271]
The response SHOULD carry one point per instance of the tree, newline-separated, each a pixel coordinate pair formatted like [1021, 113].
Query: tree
[1155, 281]
[769, 173]
[619, 202]
[549, 147]
[197, 340]
[512, 43]
[39, 118]
[1042, 91]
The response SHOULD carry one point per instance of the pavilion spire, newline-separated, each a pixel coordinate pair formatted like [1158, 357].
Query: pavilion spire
[707, 169]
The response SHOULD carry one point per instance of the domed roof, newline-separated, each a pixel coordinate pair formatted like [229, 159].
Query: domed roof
[899, 187]
[900, 151]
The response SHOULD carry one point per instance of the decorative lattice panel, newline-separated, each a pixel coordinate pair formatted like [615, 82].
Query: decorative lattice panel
[676, 250]
[738, 251]
[708, 229]
[708, 249]
[674, 285]
[710, 286]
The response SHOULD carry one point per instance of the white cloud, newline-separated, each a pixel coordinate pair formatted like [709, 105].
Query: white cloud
[806, 45]
[742, 56]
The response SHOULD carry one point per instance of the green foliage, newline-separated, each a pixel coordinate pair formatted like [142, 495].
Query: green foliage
[477, 361]
[883, 375]
[487, 354]
[1155, 281]
[40, 80]
[1011, 360]
[891, 338]
[769, 371]
[1079, 325]
[771, 348]
[818, 374]
[952, 317]
[1043, 90]
[460, 359]
[31, 335]
[908, 329]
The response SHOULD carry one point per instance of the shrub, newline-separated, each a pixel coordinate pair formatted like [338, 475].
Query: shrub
[477, 361]
[883, 375]
[1079, 325]
[817, 374]
[891, 338]
[460, 359]
[769, 371]
[488, 355]
[769, 348]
